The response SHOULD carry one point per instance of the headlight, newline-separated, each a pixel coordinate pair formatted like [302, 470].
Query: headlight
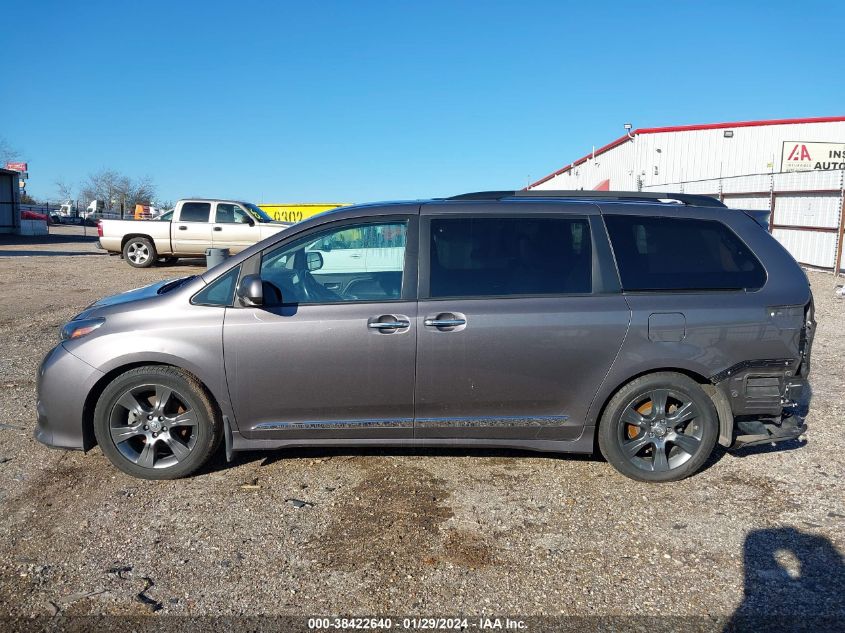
[78, 329]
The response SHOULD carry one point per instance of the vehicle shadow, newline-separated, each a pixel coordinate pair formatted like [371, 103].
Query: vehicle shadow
[764, 449]
[22, 253]
[794, 581]
[52, 238]
[269, 457]
[184, 261]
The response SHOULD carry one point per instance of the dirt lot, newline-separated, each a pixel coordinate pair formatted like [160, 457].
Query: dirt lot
[400, 532]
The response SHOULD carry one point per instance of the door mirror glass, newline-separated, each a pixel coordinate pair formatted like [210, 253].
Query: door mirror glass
[313, 260]
[251, 291]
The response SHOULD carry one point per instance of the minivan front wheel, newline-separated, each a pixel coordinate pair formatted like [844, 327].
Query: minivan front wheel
[659, 427]
[157, 422]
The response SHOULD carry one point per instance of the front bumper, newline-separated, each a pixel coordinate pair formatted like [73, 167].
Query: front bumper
[64, 382]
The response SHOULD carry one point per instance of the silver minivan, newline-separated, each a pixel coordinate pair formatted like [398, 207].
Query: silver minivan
[648, 326]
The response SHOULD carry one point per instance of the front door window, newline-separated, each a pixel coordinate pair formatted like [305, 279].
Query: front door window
[361, 262]
[228, 213]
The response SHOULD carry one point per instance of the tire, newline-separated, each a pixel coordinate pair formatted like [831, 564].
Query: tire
[137, 412]
[659, 427]
[140, 252]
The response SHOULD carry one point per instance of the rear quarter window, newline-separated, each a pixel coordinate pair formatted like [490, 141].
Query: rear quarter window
[670, 254]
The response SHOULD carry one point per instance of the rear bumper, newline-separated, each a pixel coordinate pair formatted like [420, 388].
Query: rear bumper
[751, 432]
[64, 382]
[762, 402]
[787, 424]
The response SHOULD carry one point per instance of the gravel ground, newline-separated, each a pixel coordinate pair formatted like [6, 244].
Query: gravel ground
[400, 532]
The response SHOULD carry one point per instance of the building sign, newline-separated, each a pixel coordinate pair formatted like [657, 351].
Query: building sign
[798, 156]
[16, 166]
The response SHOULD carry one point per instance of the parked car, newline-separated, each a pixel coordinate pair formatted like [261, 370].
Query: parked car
[26, 214]
[192, 227]
[651, 326]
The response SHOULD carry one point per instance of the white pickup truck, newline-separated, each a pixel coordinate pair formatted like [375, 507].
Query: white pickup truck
[192, 227]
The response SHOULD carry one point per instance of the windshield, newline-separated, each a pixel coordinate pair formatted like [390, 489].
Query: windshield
[257, 212]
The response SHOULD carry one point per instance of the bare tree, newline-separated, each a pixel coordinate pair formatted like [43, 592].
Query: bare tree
[64, 190]
[7, 152]
[117, 191]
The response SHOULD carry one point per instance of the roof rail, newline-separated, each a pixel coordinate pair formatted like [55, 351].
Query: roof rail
[649, 196]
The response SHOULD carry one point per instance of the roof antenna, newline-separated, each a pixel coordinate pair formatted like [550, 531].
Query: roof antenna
[628, 128]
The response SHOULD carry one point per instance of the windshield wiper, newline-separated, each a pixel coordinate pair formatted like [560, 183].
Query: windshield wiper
[174, 284]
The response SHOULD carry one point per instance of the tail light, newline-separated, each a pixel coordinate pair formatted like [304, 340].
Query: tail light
[805, 342]
[99, 228]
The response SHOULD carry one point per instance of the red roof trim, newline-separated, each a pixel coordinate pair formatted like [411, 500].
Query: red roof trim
[718, 126]
[686, 128]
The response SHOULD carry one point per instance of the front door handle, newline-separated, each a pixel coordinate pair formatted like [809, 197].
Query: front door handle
[388, 325]
[389, 322]
[445, 320]
[183, 228]
[218, 228]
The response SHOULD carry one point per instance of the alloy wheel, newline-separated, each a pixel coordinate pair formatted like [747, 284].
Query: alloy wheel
[138, 253]
[660, 430]
[153, 426]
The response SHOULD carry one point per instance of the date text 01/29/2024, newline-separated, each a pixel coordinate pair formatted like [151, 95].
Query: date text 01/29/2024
[421, 624]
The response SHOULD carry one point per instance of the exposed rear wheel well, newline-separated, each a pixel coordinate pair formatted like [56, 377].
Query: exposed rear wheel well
[89, 441]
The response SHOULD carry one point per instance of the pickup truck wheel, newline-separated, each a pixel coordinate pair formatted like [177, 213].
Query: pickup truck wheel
[659, 427]
[157, 422]
[140, 252]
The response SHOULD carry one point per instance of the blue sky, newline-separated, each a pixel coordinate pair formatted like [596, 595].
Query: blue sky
[357, 101]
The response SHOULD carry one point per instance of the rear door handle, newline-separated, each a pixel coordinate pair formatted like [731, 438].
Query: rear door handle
[183, 228]
[444, 322]
[218, 228]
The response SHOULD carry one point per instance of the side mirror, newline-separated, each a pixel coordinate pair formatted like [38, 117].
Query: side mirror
[251, 291]
[250, 221]
[313, 260]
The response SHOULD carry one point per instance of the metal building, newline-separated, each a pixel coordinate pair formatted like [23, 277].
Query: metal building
[793, 167]
[10, 215]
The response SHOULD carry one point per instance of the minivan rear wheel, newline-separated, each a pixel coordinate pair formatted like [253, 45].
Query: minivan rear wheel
[157, 422]
[659, 427]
